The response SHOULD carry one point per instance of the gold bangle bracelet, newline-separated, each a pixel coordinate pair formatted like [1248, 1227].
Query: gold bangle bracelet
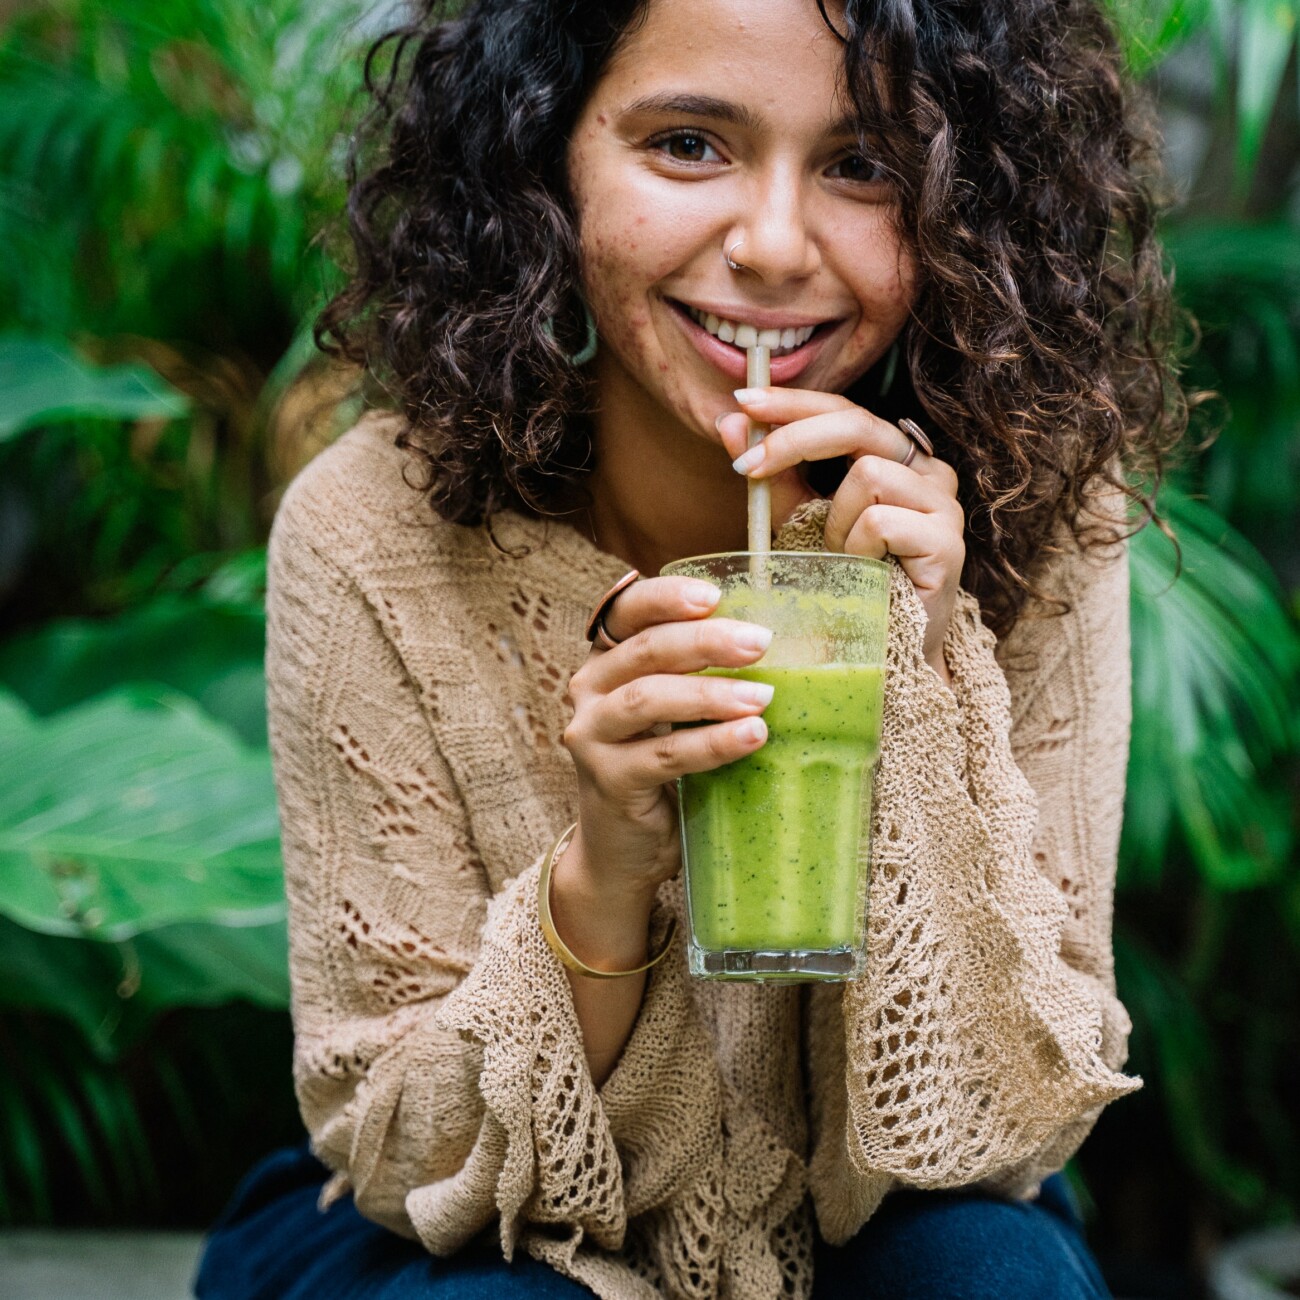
[552, 936]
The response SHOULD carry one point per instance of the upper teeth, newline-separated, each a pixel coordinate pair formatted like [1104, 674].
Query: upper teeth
[747, 336]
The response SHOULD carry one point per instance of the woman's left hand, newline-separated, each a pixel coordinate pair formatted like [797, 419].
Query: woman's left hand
[881, 506]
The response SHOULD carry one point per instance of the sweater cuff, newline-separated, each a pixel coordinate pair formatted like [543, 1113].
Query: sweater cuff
[648, 1145]
[559, 1164]
[971, 1043]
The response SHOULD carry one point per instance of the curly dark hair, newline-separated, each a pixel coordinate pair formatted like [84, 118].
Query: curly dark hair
[1041, 344]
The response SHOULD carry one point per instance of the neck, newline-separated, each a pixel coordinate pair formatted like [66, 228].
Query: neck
[659, 490]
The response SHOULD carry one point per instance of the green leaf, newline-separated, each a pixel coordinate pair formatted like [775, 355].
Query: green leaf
[42, 381]
[67, 977]
[1172, 1041]
[1215, 672]
[118, 1125]
[139, 866]
[23, 1154]
[1149, 30]
[112, 992]
[209, 650]
[1242, 282]
[51, 1086]
[125, 814]
[1266, 39]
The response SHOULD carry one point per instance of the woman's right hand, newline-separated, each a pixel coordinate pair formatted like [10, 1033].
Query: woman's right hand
[627, 818]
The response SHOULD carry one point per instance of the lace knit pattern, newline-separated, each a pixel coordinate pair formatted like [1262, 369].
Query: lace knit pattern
[416, 678]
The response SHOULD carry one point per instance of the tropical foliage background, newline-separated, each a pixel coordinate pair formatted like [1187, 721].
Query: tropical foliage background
[165, 166]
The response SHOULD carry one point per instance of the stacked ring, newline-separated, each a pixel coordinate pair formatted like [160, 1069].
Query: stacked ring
[917, 439]
[597, 632]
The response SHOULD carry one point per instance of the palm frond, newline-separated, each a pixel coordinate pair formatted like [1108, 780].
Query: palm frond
[201, 134]
[1215, 661]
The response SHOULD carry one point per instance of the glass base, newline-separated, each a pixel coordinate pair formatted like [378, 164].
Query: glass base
[775, 966]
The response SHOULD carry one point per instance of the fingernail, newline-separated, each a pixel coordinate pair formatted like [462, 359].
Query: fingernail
[752, 459]
[717, 421]
[703, 595]
[753, 637]
[752, 730]
[748, 396]
[754, 693]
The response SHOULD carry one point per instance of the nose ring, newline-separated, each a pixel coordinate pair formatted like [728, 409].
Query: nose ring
[735, 266]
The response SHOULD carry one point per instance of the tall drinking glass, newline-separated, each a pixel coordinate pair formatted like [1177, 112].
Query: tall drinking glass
[775, 846]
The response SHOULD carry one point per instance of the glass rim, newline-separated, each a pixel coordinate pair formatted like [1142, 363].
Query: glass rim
[783, 555]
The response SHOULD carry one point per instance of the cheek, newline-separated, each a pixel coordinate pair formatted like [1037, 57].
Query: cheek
[618, 249]
[884, 283]
[634, 230]
[885, 279]
[629, 246]
[906, 276]
[614, 280]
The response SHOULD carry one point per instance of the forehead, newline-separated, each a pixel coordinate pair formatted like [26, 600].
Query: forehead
[776, 58]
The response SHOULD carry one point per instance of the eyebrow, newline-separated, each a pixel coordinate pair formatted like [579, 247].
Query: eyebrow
[676, 104]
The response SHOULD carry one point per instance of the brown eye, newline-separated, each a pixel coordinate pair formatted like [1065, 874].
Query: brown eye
[688, 146]
[858, 168]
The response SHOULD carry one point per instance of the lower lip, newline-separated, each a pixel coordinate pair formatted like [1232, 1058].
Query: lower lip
[731, 360]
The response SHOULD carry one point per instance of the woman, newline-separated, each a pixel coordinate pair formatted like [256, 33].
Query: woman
[577, 213]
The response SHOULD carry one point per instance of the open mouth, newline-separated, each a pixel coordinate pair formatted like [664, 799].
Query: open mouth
[741, 334]
[722, 341]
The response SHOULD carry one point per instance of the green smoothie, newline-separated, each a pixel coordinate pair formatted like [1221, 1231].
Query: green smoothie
[768, 838]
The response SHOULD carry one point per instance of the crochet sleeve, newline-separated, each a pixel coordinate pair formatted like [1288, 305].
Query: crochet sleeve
[985, 1036]
[438, 1060]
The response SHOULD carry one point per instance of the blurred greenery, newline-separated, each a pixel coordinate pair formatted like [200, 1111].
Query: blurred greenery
[1251, 43]
[46, 381]
[165, 166]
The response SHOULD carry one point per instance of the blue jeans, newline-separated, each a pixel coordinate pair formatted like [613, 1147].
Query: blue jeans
[273, 1244]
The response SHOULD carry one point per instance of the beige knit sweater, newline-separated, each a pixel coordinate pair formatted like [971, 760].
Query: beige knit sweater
[417, 680]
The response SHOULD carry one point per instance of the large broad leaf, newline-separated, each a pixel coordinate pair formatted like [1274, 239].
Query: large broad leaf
[139, 859]
[1215, 660]
[208, 651]
[127, 814]
[113, 991]
[42, 381]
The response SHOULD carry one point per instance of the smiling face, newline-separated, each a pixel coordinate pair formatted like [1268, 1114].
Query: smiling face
[720, 126]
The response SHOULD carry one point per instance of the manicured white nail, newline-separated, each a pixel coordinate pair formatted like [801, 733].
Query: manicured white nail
[754, 693]
[752, 637]
[703, 595]
[748, 396]
[752, 730]
[752, 459]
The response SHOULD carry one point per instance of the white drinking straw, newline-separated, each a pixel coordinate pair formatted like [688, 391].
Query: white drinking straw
[758, 366]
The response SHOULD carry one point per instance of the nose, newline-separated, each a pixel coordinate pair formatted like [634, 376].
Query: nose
[773, 239]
